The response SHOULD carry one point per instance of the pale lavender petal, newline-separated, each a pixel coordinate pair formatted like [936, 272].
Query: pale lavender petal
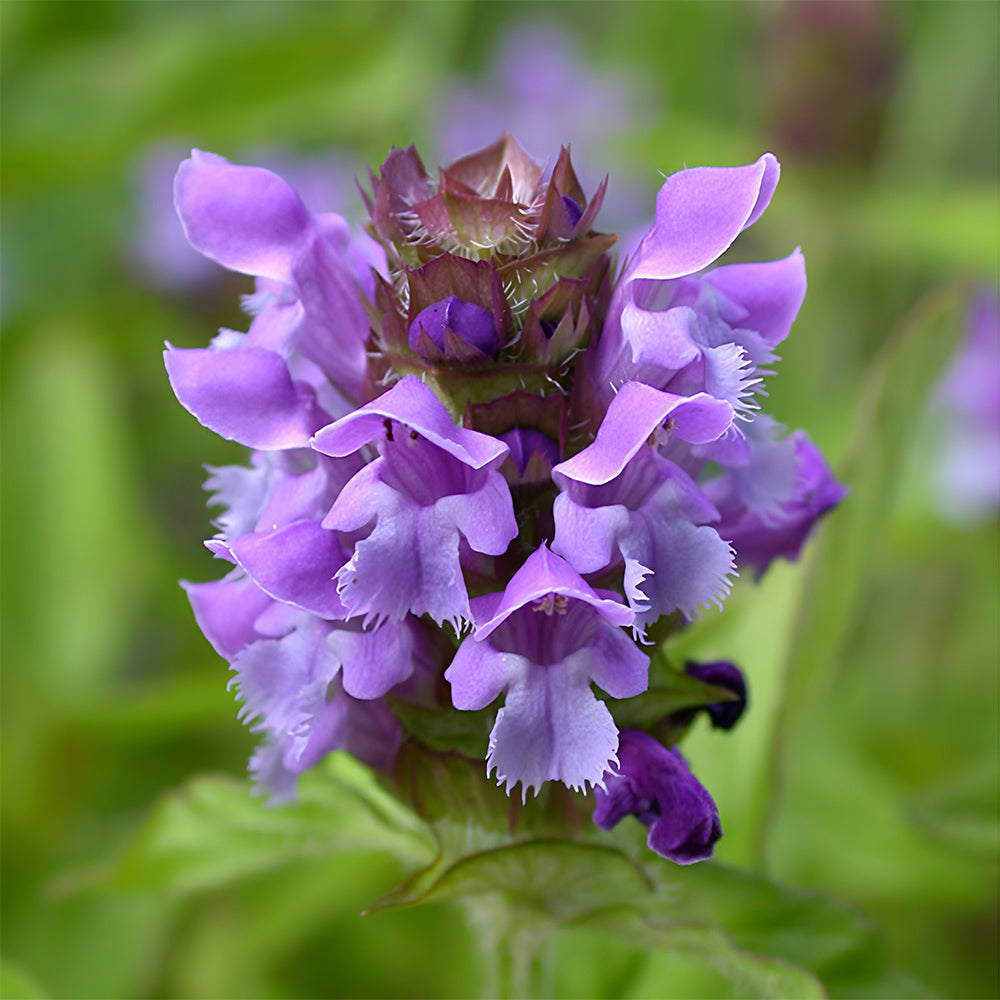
[242, 491]
[246, 218]
[614, 663]
[551, 728]
[373, 661]
[586, 537]
[660, 341]
[365, 729]
[485, 516]
[283, 682]
[478, 673]
[769, 480]
[769, 294]
[762, 534]
[690, 564]
[244, 394]
[409, 563]
[305, 494]
[729, 375]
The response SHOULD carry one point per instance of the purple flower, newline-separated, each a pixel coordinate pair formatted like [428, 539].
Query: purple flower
[966, 410]
[620, 499]
[433, 486]
[544, 640]
[723, 674]
[249, 220]
[769, 505]
[656, 786]
[465, 419]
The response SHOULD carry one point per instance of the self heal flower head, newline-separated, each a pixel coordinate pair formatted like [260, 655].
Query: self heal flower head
[656, 786]
[487, 472]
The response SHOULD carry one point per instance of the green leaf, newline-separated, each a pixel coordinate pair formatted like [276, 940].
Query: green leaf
[466, 733]
[767, 939]
[17, 984]
[559, 879]
[212, 831]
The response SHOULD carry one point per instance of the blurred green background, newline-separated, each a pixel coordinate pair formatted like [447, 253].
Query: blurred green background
[867, 766]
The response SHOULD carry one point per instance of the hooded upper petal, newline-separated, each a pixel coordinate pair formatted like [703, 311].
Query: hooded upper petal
[699, 212]
[246, 218]
[245, 394]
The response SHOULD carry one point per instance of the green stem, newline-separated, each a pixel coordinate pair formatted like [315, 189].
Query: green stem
[514, 946]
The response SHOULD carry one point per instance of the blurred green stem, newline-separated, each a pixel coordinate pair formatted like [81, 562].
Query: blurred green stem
[514, 945]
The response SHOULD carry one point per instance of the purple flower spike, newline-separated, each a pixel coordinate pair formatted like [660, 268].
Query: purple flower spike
[723, 674]
[432, 485]
[656, 786]
[544, 641]
[468, 401]
[471, 323]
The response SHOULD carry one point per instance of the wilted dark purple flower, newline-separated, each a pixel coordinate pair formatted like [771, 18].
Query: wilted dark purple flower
[726, 675]
[656, 786]
[479, 462]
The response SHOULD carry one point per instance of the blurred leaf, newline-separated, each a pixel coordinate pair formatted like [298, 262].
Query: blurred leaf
[766, 940]
[963, 814]
[925, 225]
[212, 832]
[17, 984]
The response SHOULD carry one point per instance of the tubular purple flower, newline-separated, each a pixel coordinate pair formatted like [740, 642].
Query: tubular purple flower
[620, 499]
[770, 505]
[544, 640]
[296, 682]
[699, 213]
[432, 485]
[249, 220]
